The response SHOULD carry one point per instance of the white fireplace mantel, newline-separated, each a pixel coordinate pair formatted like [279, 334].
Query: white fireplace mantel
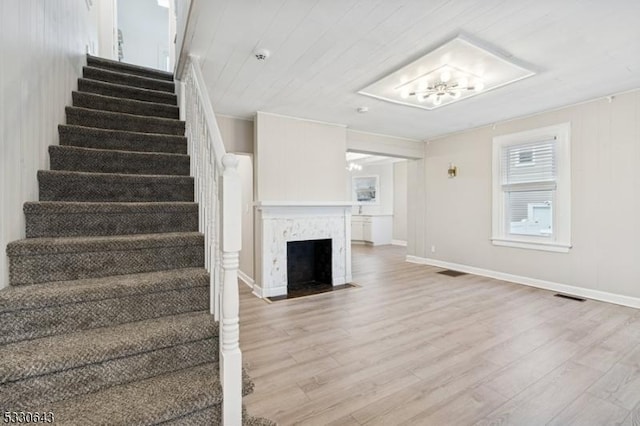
[278, 222]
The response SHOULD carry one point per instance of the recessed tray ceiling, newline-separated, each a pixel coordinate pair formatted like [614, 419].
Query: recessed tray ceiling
[457, 70]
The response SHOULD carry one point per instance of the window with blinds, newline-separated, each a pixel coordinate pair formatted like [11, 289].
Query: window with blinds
[528, 173]
[532, 189]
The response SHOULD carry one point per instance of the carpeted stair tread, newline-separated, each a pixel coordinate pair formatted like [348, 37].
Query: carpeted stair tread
[38, 310]
[121, 121]
[37, 260]
[89, 289]
[38, 391]
[211, 416]
[109, 64]
[128, 92]
[163, 350]
[129, 106]
[160, 399]
[106, 318]
[43, 246]
[90, 137]
[68, 219]
[46, 355]
[257, 421]
[56, 185]
[114, 161]
[126, 79]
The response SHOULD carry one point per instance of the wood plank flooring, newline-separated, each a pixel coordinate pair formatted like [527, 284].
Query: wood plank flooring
[413, 347]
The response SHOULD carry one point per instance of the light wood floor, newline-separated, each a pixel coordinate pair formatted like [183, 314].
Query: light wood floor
[414, 347]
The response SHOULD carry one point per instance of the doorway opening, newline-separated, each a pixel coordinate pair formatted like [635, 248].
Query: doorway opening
[377, 186]
[143, 33]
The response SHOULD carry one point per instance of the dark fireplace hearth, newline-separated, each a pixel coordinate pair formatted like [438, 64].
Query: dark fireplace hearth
[308, 265]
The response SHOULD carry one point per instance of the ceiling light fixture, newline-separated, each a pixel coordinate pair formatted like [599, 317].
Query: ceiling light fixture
[457, 70]
[354, 166]
[450, 85]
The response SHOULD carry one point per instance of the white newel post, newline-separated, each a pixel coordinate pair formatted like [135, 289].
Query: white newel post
[230, 355]
[217, 190]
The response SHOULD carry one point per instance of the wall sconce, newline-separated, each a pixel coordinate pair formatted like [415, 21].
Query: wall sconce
[453, 171]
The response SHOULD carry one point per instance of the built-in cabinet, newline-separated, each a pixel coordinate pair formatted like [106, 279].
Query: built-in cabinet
[373, 229]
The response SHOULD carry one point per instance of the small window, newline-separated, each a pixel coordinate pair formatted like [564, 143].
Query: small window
[531, 190]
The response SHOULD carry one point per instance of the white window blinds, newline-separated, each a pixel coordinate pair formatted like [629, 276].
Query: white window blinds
[529, 166]
[529, 183]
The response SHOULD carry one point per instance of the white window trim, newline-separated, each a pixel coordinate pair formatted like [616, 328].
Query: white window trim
[561, 241]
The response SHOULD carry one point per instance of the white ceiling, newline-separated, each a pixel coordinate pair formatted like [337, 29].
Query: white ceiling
[324, 51]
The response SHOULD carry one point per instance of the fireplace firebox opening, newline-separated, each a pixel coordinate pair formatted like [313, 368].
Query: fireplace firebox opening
[308, 264]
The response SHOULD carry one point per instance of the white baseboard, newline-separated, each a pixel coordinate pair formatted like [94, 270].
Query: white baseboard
[602, 296]
[402, 243]
[255, 288]
[246, 279]
[257, 291]
[345, 279]
[269, 292]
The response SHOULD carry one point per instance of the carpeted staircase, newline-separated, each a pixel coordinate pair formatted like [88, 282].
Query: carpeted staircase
[106, 318]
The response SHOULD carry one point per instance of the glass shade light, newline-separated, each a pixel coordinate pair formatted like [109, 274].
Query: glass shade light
[441, 86]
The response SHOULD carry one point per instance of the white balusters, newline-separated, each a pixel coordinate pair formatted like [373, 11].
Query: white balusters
[217, 191]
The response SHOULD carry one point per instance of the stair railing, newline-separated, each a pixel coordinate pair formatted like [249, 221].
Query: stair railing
[218, 194]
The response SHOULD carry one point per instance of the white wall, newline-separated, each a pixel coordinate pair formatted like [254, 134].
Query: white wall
[245, 170]
[173, 33]
[108, 28]
[145, 31]
[299, 160]
[416, 197]
[385, 180]
[238, 137]
[237, 134]
[42, 53]
[182, 42]
[605, 144]
[391, 146]
[400, 201]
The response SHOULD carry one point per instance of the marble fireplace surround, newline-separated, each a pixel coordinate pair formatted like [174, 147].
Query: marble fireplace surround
[279, 222]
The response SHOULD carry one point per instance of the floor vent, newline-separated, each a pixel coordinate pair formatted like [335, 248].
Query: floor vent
[566, 296]
[452, 273]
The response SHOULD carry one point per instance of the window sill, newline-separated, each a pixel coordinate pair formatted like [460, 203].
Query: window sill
[532, 245]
